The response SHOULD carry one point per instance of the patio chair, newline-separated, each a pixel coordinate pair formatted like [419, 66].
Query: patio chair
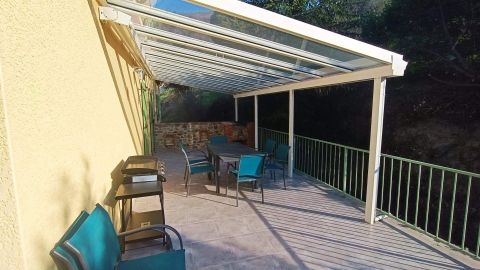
[96, 246]
[218, 139]
[62, 258]
[269, 147]
[279, 162]
[193, 167]
[194, 156]
[250, 169]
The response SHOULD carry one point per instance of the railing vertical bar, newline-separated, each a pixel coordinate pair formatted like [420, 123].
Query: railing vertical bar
[322, 162]
[309, 156]
[330, 165]
[303, 155]
[454, 194]
[408, 190]
[440, 204]
[356, 174]
[418, 193]
[315, 160]
[361, 179]
[383, 183]
[334, 164]
[350, 176]
[390, 186]
[465, 217]
[399, 186]
[428, 198]
[339, 170]
[345, 169]
[478, 240]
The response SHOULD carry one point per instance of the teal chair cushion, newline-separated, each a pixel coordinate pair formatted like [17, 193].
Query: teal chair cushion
[246, 178]
[173, 260]
[201, 168]
[63, 258]
[95, 243]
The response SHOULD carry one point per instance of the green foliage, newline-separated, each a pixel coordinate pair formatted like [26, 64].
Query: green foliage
[440, 38]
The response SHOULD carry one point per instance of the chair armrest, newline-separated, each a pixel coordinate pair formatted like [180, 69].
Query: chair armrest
[200, 163]
[156, 227]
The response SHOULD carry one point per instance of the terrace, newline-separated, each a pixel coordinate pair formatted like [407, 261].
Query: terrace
[79, 86]
[310, 225]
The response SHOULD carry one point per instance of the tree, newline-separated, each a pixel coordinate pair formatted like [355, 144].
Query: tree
[440, 38]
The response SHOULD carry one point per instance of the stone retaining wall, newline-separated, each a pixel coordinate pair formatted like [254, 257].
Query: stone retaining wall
[194, 134]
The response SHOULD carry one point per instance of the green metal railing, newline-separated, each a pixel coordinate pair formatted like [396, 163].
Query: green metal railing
[433, 199]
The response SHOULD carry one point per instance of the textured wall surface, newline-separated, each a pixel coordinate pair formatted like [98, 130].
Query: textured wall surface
[10, 244]
[72, 102]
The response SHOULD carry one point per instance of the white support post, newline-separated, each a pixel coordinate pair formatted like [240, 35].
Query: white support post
[378, 104]
[256, 121]
[236, 109]
[291, 111]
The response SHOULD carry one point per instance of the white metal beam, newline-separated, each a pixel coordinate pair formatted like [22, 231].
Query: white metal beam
[356, 76]
[378, 105]
[203, 64]
[216, 48]
[216, 59]
[230, 35]
[256, 121]
[297, 28]
[291, 114]
[236, 109]
[191, 69]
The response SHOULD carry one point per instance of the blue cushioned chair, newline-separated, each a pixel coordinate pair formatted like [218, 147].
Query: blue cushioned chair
[269, 147]
[218, 139]
[193, 156]
[250, 169]
[65, 260]
[195, 167]
[96, 246]
[279, 162]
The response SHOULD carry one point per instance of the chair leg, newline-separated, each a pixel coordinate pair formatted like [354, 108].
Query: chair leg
[284, 183]
[185, 176]
[261, 188]
[189, 179]
[253, 186]
[226, 184]
[237, 193]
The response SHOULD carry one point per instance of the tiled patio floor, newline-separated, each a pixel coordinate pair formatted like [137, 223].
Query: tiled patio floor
[307, 226]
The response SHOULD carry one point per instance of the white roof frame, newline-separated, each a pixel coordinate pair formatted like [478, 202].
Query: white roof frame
[242, 72]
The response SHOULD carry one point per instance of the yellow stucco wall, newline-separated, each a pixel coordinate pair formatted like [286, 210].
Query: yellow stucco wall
[71, 101]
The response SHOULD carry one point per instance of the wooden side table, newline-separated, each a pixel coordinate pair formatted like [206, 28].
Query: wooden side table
[133, 220]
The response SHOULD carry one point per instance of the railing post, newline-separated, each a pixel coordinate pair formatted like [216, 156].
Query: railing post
[345, 164]
[378, 104]
[236, 109]
[290, 132]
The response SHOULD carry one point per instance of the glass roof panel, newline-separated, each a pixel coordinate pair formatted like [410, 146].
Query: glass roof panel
[207, 15]
[183, 39]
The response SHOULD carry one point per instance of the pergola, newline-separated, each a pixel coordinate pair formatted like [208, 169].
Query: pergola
[235, 48]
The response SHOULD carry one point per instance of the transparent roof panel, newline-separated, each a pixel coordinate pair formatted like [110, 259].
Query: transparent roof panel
[207, 15]
[185, 40]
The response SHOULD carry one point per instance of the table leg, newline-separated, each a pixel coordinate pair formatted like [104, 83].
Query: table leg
[163, 214]
[122, 225]
[217, 169]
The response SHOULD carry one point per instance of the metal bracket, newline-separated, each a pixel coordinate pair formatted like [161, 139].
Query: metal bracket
[110, 14]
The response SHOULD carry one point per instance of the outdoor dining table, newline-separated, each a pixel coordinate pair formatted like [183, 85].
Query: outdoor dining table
[227, 153]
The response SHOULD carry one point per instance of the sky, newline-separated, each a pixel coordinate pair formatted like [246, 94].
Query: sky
[179, 6]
